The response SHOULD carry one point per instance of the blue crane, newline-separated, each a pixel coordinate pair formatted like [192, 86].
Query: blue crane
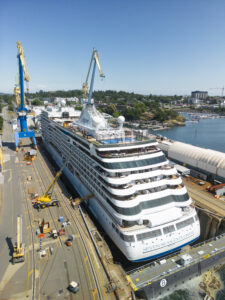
[22, 110]
[85, 88]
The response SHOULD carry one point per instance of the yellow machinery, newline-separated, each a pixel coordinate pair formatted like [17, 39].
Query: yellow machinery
[85, 88]
[45, 227]
[17, 95]
[47, 199]
[30, 155]
[77, 201]
[26, 76]
[18, 249]
[22, 58]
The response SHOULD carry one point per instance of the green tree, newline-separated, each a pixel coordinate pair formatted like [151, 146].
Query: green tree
[1, 123]
[37, 102]
[77, 107]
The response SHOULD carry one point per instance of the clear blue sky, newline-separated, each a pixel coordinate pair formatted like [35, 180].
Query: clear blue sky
[146, 46]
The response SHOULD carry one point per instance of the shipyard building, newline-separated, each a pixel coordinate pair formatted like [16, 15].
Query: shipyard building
[204, 163]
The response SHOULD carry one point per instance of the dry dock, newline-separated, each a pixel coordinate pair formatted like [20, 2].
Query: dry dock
[47, 277]
[166, 274]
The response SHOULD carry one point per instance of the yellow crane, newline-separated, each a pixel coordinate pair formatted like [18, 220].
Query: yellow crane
[22, 58]
[17, 95]
[85, 87]
[46, 199]
[18, 249]
[26, 76]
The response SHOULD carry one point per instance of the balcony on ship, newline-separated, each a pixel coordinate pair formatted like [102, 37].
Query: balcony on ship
[128, 152]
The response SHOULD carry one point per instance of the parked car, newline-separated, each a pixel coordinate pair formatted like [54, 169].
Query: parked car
[73, 287]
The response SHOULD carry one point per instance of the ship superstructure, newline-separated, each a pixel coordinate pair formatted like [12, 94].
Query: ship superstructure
[138, 197]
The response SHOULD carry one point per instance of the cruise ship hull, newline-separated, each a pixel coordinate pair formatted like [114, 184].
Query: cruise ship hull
[135, 252]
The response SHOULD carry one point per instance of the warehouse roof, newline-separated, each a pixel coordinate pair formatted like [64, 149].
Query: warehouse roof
[198, 155]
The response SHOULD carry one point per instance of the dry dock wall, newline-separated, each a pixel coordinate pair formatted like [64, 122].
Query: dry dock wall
[172, 281]
[211, 225]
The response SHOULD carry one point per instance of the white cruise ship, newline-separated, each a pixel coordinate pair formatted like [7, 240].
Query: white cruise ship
[138, 197]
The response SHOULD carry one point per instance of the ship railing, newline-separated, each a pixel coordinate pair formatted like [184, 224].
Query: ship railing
[127, 154]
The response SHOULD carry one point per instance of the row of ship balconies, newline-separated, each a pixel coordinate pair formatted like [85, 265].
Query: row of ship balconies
[122, 175]
[138, 187]
[140, 181]
[85, 169]
[128, 152]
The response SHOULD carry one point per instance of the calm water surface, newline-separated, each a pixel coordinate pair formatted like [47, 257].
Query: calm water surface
[209, 133]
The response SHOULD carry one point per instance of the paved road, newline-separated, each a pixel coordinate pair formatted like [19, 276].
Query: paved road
[11, 206]
[41, 278]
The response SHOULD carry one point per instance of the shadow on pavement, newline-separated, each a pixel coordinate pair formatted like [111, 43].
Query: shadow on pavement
[9, 145]
[10, 246]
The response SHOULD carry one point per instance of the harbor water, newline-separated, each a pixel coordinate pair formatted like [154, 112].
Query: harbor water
[206, 133]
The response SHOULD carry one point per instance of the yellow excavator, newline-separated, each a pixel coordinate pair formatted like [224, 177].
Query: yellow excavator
[47, 199]
[18, 248]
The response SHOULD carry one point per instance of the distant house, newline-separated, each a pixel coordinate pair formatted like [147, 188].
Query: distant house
[48, 99]
[201, 95]
[194, 101]
[70, 99]
[221, 102]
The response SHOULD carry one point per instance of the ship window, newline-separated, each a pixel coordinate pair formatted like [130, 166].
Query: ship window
[185, 223]
[168, 229]
[130, 211]
[148, 235]
[132, 164]
[127, 238]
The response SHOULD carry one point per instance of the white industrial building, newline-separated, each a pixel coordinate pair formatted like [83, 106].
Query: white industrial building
[203, 162]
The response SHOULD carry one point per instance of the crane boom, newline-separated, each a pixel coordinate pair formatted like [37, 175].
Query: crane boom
[85, 88]
[19, 93]
[18, 233]
[55, 179]
[22, 58]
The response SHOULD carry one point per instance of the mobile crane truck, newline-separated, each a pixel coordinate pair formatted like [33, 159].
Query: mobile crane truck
[47, 199]
[18, 248]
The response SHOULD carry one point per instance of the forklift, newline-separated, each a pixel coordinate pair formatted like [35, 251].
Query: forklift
[18, 248]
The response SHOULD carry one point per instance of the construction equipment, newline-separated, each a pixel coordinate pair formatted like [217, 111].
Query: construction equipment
[18, 249]
[62, 232]
[45, 227]
[54, 234]
[69, 240]
[213, 188]
[95, 58]
[47, 199]
[17, 94]
[78, 201]
[22, 110]
[221, 88]
[73, 287]
[30, 155]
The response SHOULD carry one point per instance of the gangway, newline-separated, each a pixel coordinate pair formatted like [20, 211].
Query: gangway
[22, 110]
